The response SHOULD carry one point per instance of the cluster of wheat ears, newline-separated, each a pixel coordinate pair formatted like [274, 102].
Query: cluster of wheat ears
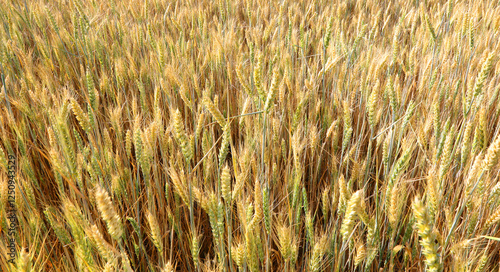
[250, 135]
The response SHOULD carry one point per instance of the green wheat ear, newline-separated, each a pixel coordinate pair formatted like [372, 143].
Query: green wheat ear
[181, 136]
[427, 237]
[224, 148]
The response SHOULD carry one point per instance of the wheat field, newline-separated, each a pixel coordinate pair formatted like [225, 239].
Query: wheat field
[249, 135]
